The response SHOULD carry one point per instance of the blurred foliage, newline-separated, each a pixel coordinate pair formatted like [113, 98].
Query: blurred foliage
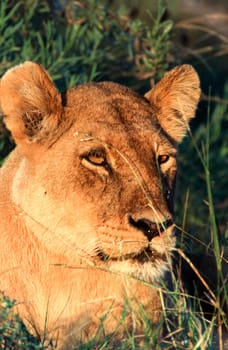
[83, 41]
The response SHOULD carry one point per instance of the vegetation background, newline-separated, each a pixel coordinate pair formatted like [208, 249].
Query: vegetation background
[80, 41]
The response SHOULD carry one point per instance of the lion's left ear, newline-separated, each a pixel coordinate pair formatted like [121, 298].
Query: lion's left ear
[175, 98]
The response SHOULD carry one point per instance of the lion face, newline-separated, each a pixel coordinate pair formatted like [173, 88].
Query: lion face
[97, 167]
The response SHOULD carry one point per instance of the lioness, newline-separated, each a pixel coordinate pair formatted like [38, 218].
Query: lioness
[86, 214]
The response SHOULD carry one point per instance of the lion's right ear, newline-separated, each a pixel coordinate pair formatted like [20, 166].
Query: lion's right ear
[31, 105]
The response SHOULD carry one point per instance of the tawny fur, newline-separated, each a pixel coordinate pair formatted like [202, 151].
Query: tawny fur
[88, 166]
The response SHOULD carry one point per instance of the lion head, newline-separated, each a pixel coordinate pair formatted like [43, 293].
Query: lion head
[93, 174]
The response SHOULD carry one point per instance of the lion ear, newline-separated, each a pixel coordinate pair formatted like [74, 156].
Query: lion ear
[175, 98]
[31, 105]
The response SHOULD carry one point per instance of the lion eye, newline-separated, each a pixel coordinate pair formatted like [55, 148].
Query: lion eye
[163, 159]
[96, 158]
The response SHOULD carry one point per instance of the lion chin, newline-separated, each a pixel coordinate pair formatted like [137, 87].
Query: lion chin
[147, 271]
[148, 265]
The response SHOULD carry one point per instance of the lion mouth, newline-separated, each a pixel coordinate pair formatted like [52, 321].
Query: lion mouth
[144, 256]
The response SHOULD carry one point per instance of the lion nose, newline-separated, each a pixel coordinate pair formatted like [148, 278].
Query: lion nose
[149, 228]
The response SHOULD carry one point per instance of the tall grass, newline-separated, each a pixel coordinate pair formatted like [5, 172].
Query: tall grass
[208, 228]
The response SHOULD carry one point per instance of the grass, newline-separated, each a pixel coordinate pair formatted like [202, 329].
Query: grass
[13, 335]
